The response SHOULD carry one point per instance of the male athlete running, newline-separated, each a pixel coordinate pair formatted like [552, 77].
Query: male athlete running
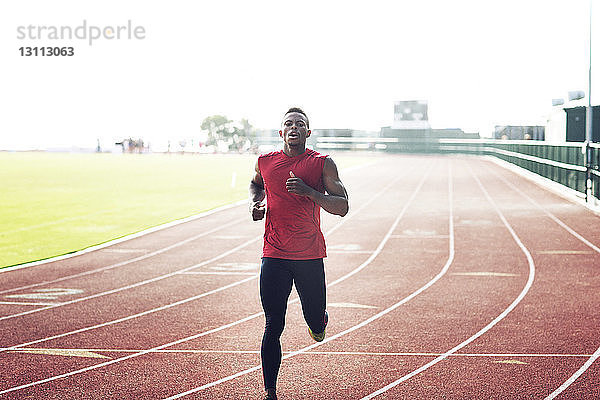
[297, 183]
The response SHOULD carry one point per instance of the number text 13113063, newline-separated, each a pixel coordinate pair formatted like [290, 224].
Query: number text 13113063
[46, 51]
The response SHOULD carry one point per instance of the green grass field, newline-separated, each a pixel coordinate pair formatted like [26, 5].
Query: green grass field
[56, 203]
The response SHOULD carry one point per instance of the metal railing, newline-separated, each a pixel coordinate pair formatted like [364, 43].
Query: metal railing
[595, 170]
[564, 163]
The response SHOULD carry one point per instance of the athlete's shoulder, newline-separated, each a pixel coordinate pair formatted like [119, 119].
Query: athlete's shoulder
[316, 154]
[270, 155]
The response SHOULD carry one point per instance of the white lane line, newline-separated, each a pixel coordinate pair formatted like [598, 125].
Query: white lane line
[349, 251]
[348, 305]
[217, 273]
[416, 354]
[387, 236]
[564, 252]
[51, 351]
[596, 354]
[60, 352]
[125, 238]
[26, 304]
[491, 324]
[46, 294]
[254, 276]
[205, 333]
[548, 213]
[131, 260]
[223, 327]
[367, 321]
[137, 284]
[420, 237]
[123, 251]
[147, 256]
[484, 273]
[576, 375]
[116, 321]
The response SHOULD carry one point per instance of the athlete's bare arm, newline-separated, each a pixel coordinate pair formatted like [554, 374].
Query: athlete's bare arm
[257, 195]
[335, 201]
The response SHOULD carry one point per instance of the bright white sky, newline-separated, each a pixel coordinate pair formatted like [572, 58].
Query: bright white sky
[478, 63]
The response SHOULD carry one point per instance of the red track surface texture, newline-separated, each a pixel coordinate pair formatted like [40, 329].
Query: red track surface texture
[450, 278]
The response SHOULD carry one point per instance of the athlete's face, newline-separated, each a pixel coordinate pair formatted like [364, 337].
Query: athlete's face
[294, 129]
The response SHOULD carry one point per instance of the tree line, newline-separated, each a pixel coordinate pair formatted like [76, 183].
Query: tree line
[237, 135]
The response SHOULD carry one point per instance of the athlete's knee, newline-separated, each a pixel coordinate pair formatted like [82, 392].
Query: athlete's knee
[274, 327]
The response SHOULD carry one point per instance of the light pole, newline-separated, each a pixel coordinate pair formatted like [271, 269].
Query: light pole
[589, 120]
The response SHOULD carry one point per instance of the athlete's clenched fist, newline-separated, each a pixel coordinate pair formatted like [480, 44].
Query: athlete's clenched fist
[297, 186]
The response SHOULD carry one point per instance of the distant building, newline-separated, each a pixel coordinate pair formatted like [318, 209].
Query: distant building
[411, 122]
[410, 114]
[556, 123]
[410, 130]
[426, 134]
[333, 132]
[520, 132]
[576, 124]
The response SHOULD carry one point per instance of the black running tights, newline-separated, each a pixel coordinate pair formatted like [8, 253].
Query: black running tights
[276, 278]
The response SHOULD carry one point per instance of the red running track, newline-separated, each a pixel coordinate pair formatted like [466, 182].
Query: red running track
[451, 277]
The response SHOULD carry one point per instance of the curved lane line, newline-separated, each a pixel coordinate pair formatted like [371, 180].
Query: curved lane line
[365, 322]
[123, 239]
[326, 353]
[16, 347]
[596, 354]
[548, 213]
[576, 375]
[131, 260]
[138, 283]
[491, 324]
[123, 319]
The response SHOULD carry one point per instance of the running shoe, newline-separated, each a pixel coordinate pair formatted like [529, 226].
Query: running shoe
[318, 337]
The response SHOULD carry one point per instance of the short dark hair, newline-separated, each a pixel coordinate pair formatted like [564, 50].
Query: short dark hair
[299, 111]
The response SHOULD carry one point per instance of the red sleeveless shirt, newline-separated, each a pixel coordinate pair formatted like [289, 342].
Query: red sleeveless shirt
[293, 222]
